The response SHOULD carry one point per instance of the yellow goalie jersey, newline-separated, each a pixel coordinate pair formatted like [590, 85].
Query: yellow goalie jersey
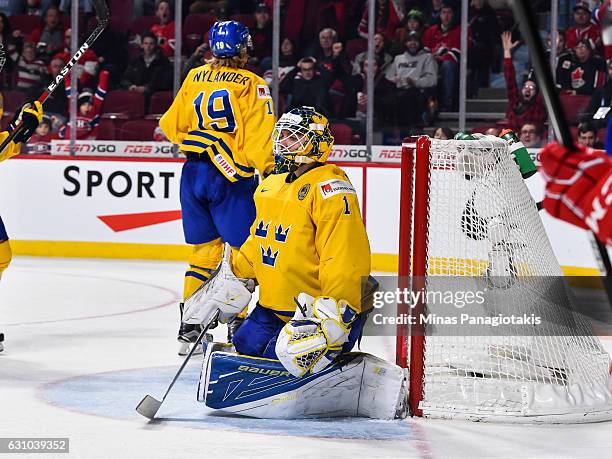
[12, 149]
[226, 113]
[308, 236]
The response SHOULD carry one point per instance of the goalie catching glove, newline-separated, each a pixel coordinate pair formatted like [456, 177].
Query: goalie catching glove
[314, 337]
[223, 291]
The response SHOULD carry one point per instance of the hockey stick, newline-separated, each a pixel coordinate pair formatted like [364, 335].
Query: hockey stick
[2, 62]
[149, 406]
[2, 57]
[103, 15]
[526, 19]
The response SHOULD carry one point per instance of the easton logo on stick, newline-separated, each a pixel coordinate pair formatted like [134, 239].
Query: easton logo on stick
[60, 77]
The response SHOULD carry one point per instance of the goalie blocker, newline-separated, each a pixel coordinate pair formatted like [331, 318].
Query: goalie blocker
[355, 385]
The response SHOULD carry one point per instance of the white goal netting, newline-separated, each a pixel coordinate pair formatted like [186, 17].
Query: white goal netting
[483, 234]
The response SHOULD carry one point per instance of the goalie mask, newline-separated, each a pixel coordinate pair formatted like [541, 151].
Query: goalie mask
[301, 136]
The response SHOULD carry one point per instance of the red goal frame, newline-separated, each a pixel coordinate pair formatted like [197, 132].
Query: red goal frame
[412, 262]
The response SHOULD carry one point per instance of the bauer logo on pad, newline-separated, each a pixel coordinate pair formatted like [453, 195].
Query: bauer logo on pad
[263, 91]
[333, 187]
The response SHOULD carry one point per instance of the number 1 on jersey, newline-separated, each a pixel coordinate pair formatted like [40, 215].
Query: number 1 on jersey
[221, 119]
[347, 210]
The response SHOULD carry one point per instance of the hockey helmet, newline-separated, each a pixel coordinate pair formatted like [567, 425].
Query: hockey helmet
[300, 136]
[229, 38]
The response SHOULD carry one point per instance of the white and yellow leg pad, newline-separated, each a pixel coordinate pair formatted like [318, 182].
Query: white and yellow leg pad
[357, 385]
[5, 255]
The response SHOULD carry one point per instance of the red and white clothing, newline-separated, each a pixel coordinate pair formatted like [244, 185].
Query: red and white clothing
[603, 15]
[579, 187]
[39, 145]
[87, 125]
[445, 45]
[165, 37]
[573, 35]
[86, 67]
[389, 16]
[30, 74]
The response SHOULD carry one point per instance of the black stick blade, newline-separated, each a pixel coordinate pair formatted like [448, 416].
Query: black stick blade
[148, 407]
[526, 18]
[101, 9]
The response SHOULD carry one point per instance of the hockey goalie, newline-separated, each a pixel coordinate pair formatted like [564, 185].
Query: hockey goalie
[309, 253]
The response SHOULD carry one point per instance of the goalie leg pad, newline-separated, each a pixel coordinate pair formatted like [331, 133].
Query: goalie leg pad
[5, 255]
[203, 260]
[223, 292]
[5, 249]
[357, 385]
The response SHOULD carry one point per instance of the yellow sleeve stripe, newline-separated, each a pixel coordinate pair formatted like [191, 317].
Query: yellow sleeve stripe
[202, 142]
[224, 146]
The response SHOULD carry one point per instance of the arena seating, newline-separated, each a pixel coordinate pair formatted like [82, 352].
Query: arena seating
[573, 106]
[129, 103]
[13, 100]
[106, 129]
[137, 130]
[160, 102]
[25, 23]
[142, 24]
[343, 134]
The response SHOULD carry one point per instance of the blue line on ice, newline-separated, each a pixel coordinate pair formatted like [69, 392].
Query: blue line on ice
[116, 394]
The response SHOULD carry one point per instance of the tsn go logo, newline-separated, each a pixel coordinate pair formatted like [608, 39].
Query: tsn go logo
[118, 183]
[348, 153]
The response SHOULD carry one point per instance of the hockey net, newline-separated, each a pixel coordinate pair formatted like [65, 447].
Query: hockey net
[467, 216]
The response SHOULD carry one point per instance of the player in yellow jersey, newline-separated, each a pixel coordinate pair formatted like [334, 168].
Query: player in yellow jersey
[222, 120]
[30, 115]
[309, 252]
[308, 241]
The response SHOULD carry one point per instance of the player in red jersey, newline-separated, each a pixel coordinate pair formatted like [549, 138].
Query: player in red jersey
[579, 187]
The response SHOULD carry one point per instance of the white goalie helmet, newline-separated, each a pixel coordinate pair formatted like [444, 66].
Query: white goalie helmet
[300, 136]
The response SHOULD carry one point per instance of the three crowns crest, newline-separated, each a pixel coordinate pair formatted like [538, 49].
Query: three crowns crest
[267, 257]
[262, 230]
[279, 234]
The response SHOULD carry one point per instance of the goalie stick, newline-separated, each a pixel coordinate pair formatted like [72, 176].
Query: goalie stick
[103, 15]
[2, 57]
[526, 19]
[149, 406]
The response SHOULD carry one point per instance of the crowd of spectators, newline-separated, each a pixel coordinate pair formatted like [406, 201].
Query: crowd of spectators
[323, 57]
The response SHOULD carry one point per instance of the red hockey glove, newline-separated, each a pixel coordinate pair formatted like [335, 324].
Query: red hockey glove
[578, 187]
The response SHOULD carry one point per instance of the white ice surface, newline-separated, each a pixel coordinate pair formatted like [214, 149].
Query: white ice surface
[87, 339]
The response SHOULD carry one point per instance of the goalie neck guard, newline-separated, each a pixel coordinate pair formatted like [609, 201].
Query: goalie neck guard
[301, 136]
